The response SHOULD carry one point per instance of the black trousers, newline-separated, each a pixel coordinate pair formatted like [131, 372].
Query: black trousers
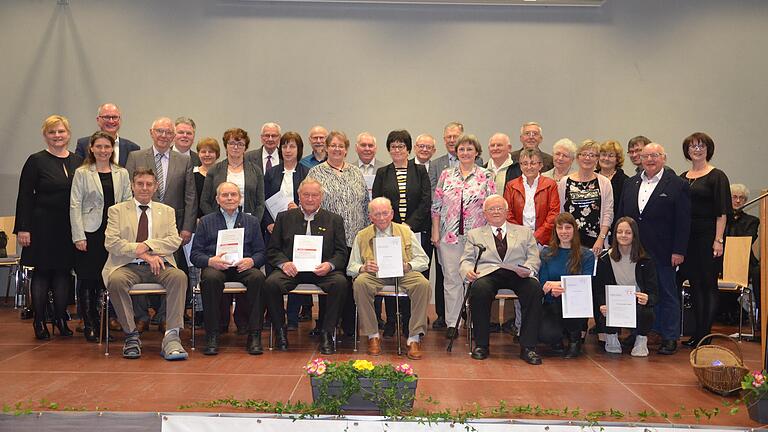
[645, 318]
[483, 292]
[439, 287]
[554, 326]
[212, 287]
[334, 284]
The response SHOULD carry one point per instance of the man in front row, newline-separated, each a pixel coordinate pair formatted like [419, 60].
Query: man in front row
[510, 259]
[363, 268]
[308, 219]
[218, 269]
[141, 238]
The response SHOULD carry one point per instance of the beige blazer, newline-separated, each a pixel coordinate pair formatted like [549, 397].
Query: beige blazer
[120, 236]
[86, 202]
[521, 249]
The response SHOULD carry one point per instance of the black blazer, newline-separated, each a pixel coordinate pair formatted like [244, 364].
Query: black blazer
[272, 181]
[253, 203]
[290, 223]
[125, 146]
[645, 277]
[513, 171]
[418, 193]
[665, 223]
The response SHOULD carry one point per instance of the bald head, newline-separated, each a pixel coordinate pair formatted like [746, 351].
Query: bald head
[653, 159]
[162, 133]
[108, 118]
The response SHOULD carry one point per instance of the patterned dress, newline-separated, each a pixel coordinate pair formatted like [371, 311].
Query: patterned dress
[346, 195]
[459, 201]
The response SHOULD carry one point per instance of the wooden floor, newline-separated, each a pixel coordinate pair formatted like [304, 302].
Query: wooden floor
[75, 374]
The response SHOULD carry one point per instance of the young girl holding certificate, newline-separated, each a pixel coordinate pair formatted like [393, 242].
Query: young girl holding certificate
[564, 256]
[627, 263]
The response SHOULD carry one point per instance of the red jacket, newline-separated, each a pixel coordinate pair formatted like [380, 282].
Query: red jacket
[546, 200]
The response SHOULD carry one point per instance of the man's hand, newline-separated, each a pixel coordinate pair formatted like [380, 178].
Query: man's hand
[24, 238]
[406, 267]
[218, 263]
[677, 259]
[471, 276]
[141, 249]
[82, 245]
[323, 269]
[289, 268]
[523, 272]
[270, 227]
[370, 266]
[642, 298]
[186, 236]
[244, 264]
[156, 263]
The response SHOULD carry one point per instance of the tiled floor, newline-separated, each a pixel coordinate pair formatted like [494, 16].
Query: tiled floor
[76, 374]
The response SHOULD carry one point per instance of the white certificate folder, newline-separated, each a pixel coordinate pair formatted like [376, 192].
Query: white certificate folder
[230, 243]
[389, 256]
[577, 296]
[620, 302]
[307, 252]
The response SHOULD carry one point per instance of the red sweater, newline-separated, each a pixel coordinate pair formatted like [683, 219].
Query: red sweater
[546, 200]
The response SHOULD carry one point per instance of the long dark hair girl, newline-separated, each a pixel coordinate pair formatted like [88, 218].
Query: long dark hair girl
[574, 261]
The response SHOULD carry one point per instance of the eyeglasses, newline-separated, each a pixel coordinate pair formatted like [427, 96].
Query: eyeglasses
[588, 155]
[608, 155]
[697, 146]
[529, 164]
[110, 117]
[424, 146]
[273, 136]
[336, 146]
[236, 143]
[166, 132]
[531, 133]
[651, 156]
[497, 209]
[398, 147]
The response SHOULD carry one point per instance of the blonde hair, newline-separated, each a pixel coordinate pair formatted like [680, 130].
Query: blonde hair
[612, 146]
[53, 120]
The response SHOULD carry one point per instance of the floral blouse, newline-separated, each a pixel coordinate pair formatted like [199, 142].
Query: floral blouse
[453, 192]
[346, 195]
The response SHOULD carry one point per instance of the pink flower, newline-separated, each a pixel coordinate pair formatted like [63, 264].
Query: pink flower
[759, 379]
[405, 368]
[450, 238]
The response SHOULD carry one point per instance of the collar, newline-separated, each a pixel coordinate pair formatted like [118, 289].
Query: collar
[308, 216]
[227, 216]
[653, 179]
[386, 233]
[361, 164]
[506, 163]
[264, 154]
[535, 184]
[418, 162]
[140, 204]
[503, 229]
[155, 152]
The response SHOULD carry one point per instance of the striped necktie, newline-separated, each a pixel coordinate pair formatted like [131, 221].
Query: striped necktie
[159, 176]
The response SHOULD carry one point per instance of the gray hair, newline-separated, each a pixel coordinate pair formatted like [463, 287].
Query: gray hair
[425, 136]
[738, 188]
[272, 124]
[379, 200]
[226, 183]
[309, 181]
[454, 124]
[531, 123]
[365, 133]
[187, 121]
[495, 196]
[567, 145]
[98, 112]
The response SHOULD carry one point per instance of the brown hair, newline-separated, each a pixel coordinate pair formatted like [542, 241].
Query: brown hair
[292, 136]
[236, 134]
[637, 251]
[143, 171]
[90, 158]
[337, 134]
[211, 144]
[574, 261]
[612, 146]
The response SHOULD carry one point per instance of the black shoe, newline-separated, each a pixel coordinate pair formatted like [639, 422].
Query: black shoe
[381, 323]
[629, 342]
[281, 340]
[326, 343]
[668, 347]
[480, 353]
[211, 344]
[253, 346]
[62, 326]
[439, 323]
[529, 356]
[574, 350]
[494, 328]
[317, 331]
[389, 330]
[89, 331]
[451, 333]
[41, 330]
[557, 349]
[692, 342]
[509, 327]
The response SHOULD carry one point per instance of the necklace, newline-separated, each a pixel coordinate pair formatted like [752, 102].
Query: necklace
[337, 169]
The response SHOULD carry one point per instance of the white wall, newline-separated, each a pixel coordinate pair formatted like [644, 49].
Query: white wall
[662, 68]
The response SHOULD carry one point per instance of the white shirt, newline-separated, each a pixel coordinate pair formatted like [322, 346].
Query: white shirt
[116, 149]
[417, 162]
[647, 186]
[529, 211]
[495, 229]
[286, 186]
[367, 168]
[275, 159]
[500, 173]
[239, 180]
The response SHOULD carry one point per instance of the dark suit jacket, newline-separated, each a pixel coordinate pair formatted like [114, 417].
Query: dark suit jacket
[180, 192]
[253, 202]
[290, 223]
[418, 194]
[665, 222]
[204, 244]
[272, 181]
[254, 157]
[125, 146]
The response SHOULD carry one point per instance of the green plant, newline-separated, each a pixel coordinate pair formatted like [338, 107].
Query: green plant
[755, 386]
[386, 391]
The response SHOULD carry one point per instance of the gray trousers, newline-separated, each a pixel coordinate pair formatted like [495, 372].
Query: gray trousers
[366, 286]
[171, 278]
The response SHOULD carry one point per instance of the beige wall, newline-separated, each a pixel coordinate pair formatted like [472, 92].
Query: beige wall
[657, 67]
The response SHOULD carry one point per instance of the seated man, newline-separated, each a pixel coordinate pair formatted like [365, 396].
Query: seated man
[141, 237]
[510, 259]
[216, 270]
[362, 266]
[308, 219]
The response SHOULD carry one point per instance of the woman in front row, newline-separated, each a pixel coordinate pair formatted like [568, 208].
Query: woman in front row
[627, 263]
[563, 257]
[98, 184]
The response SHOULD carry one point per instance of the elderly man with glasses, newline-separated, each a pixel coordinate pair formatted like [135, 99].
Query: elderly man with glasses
[531, 136]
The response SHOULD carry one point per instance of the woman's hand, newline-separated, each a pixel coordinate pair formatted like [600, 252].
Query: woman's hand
[291, 205]
[25, 238]
[270, 227]
[604, 310]
[642, 298]
[556, 288]
[717, 249]
[598, 246]
[81, 245]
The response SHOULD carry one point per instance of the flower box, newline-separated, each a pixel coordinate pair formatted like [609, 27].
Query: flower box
[368, 398]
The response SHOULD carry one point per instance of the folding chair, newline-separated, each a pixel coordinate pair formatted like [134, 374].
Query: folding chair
[13, 264]
[137, 289]
[386, 291]
[229, 288]
[503, 294]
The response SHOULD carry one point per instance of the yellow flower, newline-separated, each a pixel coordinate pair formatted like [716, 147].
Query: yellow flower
[362, 365]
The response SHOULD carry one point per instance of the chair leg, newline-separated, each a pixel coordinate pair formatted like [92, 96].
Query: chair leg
[194, 306]
[469, 327]
[105, 309]
[357, 330]
[271, 337]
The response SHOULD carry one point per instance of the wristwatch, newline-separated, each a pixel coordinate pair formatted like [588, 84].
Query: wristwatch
[719, 241]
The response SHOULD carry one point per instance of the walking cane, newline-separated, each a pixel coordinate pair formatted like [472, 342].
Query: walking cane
[480, 249]
[398, 323]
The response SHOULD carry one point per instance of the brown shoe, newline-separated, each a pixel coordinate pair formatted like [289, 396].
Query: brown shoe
[141, 326]
[114, 325]
[374, 346]
[414, 351]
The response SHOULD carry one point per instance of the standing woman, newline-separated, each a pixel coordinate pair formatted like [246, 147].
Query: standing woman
[42, 223]
[457, 208]
[285, 178]
[208, 150]
[610, 165]
[710, 208]
[97, 185]
[563, 256]
[563, 154]
[627, 263]
[346, 194]
[407, 187]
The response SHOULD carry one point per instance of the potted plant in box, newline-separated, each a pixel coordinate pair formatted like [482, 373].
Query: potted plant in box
[756, 396]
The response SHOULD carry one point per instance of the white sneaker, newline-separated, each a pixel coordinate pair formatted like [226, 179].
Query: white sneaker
[641, 347]
[612, 344]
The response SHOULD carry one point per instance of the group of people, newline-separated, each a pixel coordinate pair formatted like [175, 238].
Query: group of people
[120, 215]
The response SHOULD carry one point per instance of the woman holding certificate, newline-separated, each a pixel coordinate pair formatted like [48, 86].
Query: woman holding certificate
[563, 257]
[628, 265]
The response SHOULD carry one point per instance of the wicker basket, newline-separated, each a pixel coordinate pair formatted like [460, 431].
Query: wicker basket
[724, 380]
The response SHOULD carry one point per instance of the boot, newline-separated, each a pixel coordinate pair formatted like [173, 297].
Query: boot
[253, 344]
[574, 346]
[89, 313]
[41, 330]
[281, 340]
[61, 324]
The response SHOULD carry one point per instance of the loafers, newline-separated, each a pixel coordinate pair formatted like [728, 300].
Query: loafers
[211, 344]
[439, 323]
[114, 325]
[529, 356]
[326, 343]
[414, 351]
[668, 347]
[374, 346]
[480, 353]
[253, 345]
